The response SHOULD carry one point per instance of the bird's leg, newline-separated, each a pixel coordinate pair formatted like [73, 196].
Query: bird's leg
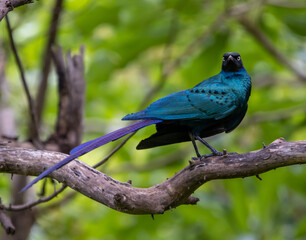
[214, 151]
[194, 144]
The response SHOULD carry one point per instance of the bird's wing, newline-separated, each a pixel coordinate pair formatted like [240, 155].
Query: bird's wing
[201, 102]
[214, 101]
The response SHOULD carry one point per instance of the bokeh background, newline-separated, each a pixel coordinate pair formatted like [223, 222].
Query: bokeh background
[138, 51]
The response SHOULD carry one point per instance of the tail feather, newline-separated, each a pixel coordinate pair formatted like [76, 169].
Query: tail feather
[91, 145]
[83, 145]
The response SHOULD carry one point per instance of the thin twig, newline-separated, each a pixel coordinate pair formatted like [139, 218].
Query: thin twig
[34, 133]
[269, 46]
[113, 151]
[56, 204]
[52, 33]
[34, 203]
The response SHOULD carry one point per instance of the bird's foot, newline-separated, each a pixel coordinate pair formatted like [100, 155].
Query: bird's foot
[212, 154]
[228, 153]
[224, 153]
[196, 158]
[216, 153]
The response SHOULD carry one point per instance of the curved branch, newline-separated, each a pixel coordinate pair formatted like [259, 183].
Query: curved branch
[34, 133]
[9, 5]
[171, 193]
[22, 207]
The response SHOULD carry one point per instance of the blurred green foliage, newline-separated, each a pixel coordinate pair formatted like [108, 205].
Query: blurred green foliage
[128, 44]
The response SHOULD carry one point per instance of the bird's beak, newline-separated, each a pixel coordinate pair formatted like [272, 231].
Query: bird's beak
[230, 58]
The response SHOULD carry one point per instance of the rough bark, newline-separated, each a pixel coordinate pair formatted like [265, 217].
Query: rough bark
[171, 193]
[71, 90]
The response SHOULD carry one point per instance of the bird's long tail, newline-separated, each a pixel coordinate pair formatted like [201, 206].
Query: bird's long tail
[91, 145]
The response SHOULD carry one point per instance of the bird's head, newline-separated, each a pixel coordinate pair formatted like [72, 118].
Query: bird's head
[231, 62]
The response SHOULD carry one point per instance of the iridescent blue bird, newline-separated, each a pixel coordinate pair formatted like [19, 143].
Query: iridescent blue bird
[216, 105]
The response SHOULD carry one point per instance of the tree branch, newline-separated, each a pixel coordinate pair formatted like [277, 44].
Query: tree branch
[22, 207]
[9, 5]
[34, 131]
[270, 47]
[71, 88]
[52, 33]
[171, 193]
[6, 223]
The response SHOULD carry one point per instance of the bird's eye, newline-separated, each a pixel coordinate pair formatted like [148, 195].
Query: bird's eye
[238, 58]
[223, 59]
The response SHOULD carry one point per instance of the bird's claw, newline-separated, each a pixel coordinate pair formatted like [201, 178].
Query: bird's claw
[196, 158]
[212, 154]
[217, 154]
